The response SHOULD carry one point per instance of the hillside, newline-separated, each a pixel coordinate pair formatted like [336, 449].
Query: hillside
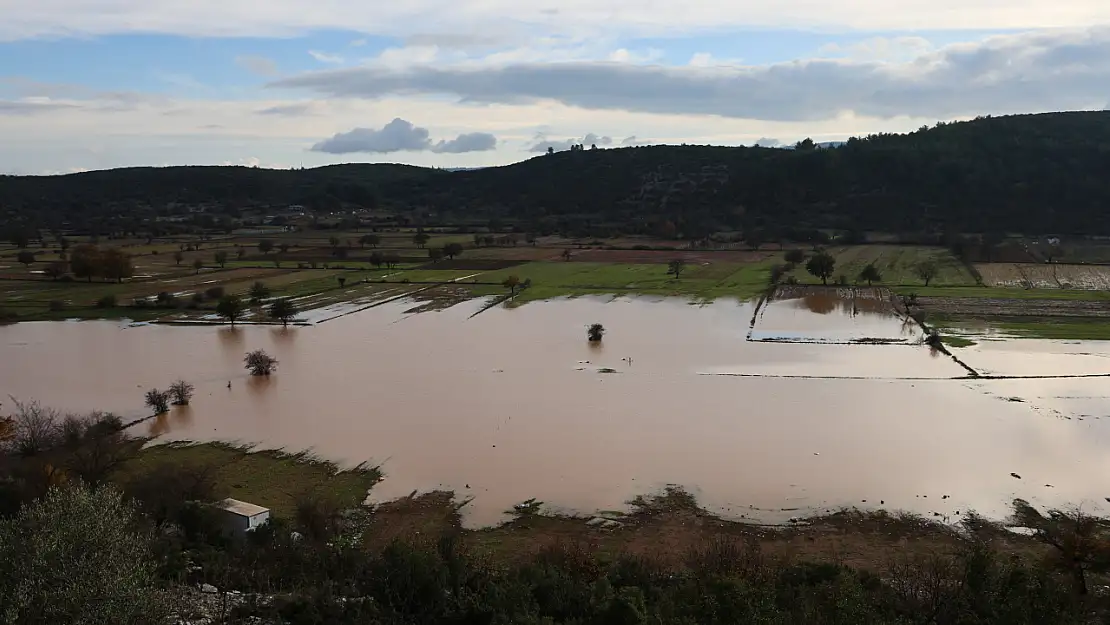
[1032, 173]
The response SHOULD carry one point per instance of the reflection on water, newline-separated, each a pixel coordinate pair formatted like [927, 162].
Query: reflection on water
[500, 402]
[833, 315]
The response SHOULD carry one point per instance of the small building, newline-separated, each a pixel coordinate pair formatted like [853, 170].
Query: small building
[240, 517]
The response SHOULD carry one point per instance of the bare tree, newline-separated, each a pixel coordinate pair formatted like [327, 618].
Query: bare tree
[158, 401]
[259, 362]
[182, 392]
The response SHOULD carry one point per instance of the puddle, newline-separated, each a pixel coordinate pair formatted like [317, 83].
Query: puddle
[511, 403]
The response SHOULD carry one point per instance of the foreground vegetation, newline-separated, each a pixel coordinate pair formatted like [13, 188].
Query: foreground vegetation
[94, 530]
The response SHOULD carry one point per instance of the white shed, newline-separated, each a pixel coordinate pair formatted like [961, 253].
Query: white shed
[241, 517]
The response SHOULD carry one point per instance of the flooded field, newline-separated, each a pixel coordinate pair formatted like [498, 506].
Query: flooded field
[512, 404]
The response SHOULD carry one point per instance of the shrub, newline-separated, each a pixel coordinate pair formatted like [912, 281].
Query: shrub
[215, 292]
[56, 305]
[108, 301]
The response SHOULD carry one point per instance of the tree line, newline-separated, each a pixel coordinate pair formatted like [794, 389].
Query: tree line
[1032, 174]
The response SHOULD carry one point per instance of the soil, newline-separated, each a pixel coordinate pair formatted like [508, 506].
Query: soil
[663, 257]
[671, 528]
[990, 307]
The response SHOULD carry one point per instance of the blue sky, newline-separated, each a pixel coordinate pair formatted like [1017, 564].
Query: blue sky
[88, 84]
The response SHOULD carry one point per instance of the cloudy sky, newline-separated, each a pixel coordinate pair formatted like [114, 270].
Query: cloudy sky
[93, 84]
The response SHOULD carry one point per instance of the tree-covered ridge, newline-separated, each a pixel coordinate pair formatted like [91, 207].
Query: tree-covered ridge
[1031, 173]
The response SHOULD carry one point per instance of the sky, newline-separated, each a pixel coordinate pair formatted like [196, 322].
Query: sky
[96, 84]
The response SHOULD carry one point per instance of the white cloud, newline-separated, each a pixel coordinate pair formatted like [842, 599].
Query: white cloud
[578, 18]
[767, 142]
[30, 106]
[294, 109]
[541, 143]
[324, 57]
[400, 135]
[257, 64]
[887, 49]
[470, 142]
[1060, 70]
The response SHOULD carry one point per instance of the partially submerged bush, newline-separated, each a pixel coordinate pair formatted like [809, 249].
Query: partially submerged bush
[259, 362]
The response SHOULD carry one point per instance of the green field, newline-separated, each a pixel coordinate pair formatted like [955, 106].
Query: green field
[698, 282]
[1056, 328]
[897, 264]
[271, 479]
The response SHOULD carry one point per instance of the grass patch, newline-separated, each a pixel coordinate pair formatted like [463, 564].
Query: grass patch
[570, 279]
[1057, 328]
[273, 479]
[957, 341]
[896, 263]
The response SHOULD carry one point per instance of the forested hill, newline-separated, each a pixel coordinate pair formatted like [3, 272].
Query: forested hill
[1033, 173]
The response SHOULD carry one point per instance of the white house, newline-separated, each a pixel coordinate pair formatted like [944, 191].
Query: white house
[240, 517]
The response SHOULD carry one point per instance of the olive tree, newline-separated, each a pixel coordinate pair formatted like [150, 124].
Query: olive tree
[283, 310]
[259, 362]
[73, 557]
[870, 274]
[821, 265]
[259, 291]
[230, 307]
[926, 270]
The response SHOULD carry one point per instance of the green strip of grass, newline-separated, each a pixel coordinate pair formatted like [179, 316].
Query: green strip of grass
[572, 279]
[272, 479]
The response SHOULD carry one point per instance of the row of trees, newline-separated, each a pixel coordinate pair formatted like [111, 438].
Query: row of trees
[88, 261]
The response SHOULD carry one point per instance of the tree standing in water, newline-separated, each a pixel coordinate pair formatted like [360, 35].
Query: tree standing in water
[595, 332]
[259, 362]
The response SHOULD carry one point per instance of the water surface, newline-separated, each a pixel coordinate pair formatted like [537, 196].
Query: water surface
[510, 405]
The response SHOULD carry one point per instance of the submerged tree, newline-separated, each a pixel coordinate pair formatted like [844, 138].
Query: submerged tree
[158, 401]
[283, 310]
[676, 267]
[870, 273]
[595, 332]
[259, 362]
[821, 265]
[230, 307]
[182, 392]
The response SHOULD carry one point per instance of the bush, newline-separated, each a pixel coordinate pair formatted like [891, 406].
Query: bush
[197, 298]
[215, 292]
[108, 301]
[66, 278]
[57, 305]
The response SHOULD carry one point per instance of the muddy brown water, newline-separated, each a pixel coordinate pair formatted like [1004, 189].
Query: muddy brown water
[509, 405]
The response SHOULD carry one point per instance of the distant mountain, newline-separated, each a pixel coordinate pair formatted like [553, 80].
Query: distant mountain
[1031, 173]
